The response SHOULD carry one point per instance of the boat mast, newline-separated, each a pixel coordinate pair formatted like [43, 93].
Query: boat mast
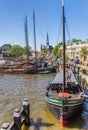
[26, 38]
[34, 32]
[63, 27]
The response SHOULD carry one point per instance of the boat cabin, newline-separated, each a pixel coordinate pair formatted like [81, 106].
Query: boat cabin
[56, 86]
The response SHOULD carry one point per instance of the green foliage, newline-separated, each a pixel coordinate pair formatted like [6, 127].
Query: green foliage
[25, 50]
[83, 52]
[60, 44]
[67, 59]
[57, 51]
[17, 50]
[76, 40]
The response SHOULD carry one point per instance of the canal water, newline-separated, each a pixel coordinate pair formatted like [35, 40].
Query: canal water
[14, 88]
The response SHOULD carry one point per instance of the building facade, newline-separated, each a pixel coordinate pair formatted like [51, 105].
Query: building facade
[72, 50]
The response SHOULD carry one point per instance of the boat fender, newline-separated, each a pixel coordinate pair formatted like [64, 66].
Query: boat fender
[63, 95]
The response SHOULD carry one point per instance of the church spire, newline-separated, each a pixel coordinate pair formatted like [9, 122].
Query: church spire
[47, 40]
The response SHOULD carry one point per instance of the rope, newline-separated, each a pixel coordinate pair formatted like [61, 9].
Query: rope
[68, 31]
[41, 33]
[59, 32]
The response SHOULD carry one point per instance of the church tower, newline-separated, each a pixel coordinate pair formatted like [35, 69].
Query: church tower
[47, 41]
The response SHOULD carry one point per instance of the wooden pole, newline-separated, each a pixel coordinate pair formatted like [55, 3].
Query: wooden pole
[26, 38]
[64, 46]
[5, 126]
[34, 35]
[26, 108]
[17, 119]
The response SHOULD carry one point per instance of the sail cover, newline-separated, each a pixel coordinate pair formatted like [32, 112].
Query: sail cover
[58, 79]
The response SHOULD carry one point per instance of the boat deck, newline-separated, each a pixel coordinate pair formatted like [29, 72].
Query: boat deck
[54, 94]
[72, 89]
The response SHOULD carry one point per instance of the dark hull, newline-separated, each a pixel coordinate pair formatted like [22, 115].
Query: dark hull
[64, 112]
[27, 70]
[19, 72]
[39, 70]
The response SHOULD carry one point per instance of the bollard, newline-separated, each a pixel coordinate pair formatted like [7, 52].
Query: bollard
[26, 105]
[17, 119]
[26, 108]
[5, 126]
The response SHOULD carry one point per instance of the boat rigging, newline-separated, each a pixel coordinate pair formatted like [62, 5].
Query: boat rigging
[64, 96]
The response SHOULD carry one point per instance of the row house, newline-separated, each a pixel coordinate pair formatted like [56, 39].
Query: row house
[72, 50]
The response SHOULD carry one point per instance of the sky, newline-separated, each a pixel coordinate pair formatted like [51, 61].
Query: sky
[48, 14]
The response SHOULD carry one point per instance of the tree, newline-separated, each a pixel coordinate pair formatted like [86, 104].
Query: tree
[59, 44]
[67, 58]
[16, 51]
[76, 40]
[83, 53]
[25, 50]
[57, 51]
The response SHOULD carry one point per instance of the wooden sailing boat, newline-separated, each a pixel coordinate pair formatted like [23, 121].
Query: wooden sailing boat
[64, 95]
[40, 70]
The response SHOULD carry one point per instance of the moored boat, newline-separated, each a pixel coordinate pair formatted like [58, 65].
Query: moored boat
[64, 104]
[44, 69]
[64, 95]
